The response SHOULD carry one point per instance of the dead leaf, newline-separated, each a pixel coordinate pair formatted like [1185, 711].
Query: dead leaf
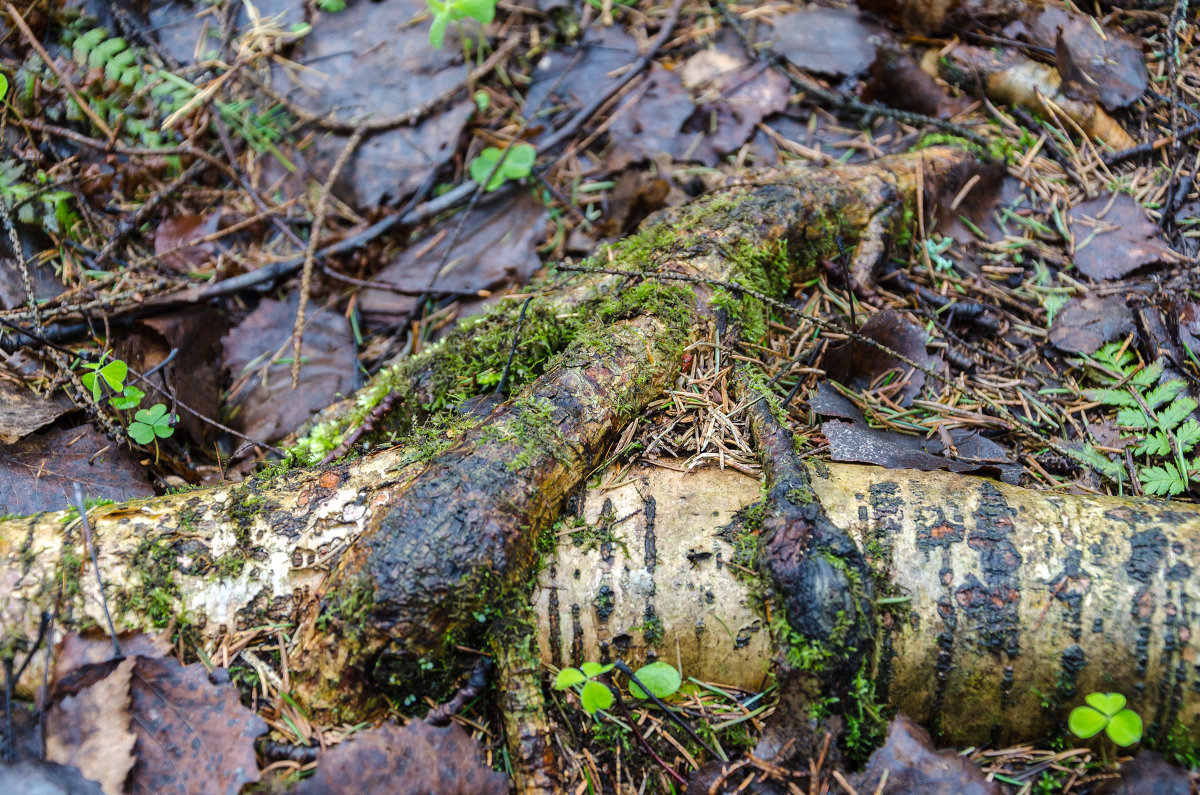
[497, 247]
[897, 80]
[22, 411]
[649, 122]
[267, 408]
[369, 61]
[1084, 324]
[856, 442]
[831, 41]
[193, 736]
[178, 232]
[1113, 237]
[416, 760]
[1102, 65]
[80, 649]
[859, 365]
[36, 472]
[913, 764]
[1148, 772]
[90, 730]
[733, 96]
[554, 96]
[196, 334]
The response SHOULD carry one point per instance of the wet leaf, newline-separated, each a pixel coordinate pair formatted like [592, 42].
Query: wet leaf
[1097, 64]
[193, 736]
[22, 411]
[497, 247]
[732, 96]
[267, 407]
[913, 764]
[897, 80]
[1085, 324]
[832, 41]
[1149, 772]
[649, 122]
[859, 365]
[91, 730]
[36, 777]
[413, 760]
[37, 472]
[1113, 237]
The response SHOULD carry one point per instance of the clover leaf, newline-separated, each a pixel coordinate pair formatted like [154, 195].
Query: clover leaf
[482, 11]
[149, 424]
[112, 374]
[661, 678]
[1106, 711]
[518, 164]
[128, 399]
[593, 695]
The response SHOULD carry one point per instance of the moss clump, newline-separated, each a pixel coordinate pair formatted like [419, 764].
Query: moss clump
[158, 596]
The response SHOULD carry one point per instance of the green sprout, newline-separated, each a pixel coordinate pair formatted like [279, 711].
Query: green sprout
[482, 11]
[1106, 711]
[517, 165]
[112, 374]
[150, 425]
[662, 680]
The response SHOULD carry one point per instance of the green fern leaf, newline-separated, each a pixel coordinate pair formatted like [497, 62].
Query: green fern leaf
[1102, 463]
[104, 52]
[1148, 375]
[1179, 410]
[1164, 392]
[1133, 418]
[1110, 397]
[1156, 444]
[1163, 480]
[1187, 435]
[116, 67]
[87, 42]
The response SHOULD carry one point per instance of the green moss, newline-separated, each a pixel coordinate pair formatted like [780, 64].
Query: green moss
[349, 604]
[157, 596]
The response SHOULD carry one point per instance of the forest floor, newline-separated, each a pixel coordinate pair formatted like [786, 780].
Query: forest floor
[193, 186]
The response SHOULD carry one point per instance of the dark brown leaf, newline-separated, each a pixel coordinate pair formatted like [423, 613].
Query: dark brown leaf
[36, 472]
[831, 41]
[413, 760]
[859, 365]
[553, 96]
[80, 649]
[898, 80]
[913, 764]
[91, 730]
[733, 96]
[650, 121]
[1149, 773]
[497, 247]
[192, 736]
[1084, 324]
[179, 231]
[22, 412]
[371, 62]
[1113, 237]
[269, 409]
[1107, 68]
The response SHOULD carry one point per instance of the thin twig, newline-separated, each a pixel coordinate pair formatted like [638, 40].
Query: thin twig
[91, 548]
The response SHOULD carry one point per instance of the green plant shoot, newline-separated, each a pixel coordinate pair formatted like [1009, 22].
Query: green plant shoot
[1107, 712]
[482, 11]
[151, 424]
[518, 164]
[113, 374]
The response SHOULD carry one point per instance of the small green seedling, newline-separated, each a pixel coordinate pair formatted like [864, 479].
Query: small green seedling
[518, 164]
[662, 680]
[482, 11]
[151, 424]
[112, 374]
[1106, 711]
[593, 695]
[129, 398]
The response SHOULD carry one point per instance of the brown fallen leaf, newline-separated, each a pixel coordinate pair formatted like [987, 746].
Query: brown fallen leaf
[38, 777]
[193, 737]
[913, 764]
[859, 365]
[1148, 773]
[831, 41]
[1084, 324]
[732, 96]
[413, 760]
[1113, 237]
[897, 80]
[22, 411]
[37, 472]
[91, 730]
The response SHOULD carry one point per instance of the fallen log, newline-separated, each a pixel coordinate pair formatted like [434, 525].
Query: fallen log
[967, 603]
